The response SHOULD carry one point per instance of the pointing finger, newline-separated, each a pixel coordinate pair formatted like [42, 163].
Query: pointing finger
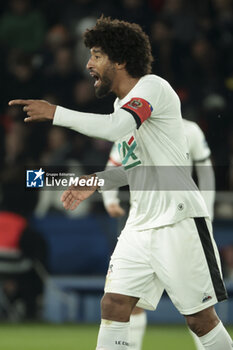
[19, 102]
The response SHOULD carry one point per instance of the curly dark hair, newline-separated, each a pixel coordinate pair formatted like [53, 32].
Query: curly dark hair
[123, 42]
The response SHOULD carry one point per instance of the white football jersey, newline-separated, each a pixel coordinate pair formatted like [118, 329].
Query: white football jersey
[156, 157]
[153, 151]
[198, 150]
[197, 145]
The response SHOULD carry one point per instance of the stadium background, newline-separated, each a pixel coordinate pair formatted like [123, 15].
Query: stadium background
[42, 56]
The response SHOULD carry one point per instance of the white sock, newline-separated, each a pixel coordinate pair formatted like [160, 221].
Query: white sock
[113, 335]
[136, 330]
[196, 340]
[217, 339]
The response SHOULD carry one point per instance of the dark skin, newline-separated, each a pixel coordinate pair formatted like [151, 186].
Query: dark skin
[112, 77]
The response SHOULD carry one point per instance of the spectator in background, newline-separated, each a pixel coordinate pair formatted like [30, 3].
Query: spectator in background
[20, 76]
[21, 247]
[2, 145]
[183, 19]
[217, 118]
[203, 75]
[83, 93]
[79, 10]
[223, 15]
[22, 27]
[57, 158]
[16, 141]
[167, 51]
[62, 75]
[135, 11]
[230, 142]
[57, 148]
[57, 37]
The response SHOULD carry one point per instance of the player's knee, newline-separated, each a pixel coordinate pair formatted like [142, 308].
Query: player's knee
[202, 322]
[116, 307]
[195, 325]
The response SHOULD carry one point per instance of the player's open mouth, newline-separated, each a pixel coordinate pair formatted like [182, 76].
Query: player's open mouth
[96, 78]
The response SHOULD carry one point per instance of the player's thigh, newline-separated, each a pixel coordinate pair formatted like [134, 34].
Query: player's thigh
[187, 262]
[130, 272]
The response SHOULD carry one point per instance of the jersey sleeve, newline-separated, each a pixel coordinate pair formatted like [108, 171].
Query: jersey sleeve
[113, 178]
[139, 108]
[199, 149]
[110, 127]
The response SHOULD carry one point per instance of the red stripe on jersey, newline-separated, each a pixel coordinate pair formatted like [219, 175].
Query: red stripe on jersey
[114, 162]
[130, 140]
[139, 106]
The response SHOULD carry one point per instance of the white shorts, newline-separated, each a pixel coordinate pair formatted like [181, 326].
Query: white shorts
[181, 258]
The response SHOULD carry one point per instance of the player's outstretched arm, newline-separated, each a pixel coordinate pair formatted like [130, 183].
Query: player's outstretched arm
[72, 197]
[37, 110]
[106, 126]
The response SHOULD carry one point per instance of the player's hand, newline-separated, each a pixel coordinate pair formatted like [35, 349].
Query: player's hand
[37, 110]
[115, 210]
[72, 197]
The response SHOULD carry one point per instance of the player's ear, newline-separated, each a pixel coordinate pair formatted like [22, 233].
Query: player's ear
[120, 66]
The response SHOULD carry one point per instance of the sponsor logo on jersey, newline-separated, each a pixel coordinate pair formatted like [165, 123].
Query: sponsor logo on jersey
[127, 149]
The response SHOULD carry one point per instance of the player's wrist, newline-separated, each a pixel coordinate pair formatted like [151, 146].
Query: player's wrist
[52, 110]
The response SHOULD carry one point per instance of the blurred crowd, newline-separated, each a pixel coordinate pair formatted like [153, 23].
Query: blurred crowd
[42, 56]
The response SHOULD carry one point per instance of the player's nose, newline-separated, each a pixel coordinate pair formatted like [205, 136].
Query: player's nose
[90, 64]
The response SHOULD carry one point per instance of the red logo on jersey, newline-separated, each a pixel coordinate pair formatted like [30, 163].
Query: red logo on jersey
[135, 104]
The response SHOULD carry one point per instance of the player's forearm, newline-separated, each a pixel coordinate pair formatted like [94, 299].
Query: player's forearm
[106, 126]
[113, 178]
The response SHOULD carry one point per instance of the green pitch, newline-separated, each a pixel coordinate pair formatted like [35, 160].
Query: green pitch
[83, 337]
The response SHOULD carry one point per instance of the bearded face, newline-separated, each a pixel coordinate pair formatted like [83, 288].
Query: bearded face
[102, 70]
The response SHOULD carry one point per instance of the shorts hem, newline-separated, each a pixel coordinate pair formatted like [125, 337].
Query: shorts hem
[145, 304]
[198, 308]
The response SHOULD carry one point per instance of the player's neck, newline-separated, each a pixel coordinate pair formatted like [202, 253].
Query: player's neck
[123, 84]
